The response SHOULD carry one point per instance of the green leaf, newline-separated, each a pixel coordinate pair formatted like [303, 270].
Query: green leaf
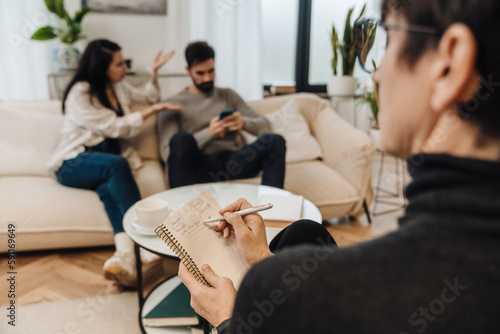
[44, 33]
[372, 33]
[348, 44]
[61, 12]
[57, 7]
[335, 46]
[344, 57]
[80, 14]
[367, 38]
[51, 6]
[360, 14]
[74, 31]
[348, 28]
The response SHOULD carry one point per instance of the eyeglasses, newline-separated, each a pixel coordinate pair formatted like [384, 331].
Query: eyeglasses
[372, 40]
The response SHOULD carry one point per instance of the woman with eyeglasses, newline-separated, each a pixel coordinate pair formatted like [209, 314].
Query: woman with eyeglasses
[94, 152]
[439, 87]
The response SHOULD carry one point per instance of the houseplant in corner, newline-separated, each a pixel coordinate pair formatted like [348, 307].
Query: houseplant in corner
[69, 31]
[345, 85]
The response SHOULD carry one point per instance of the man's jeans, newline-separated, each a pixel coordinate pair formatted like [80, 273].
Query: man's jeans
[109, 175]
[187, 165]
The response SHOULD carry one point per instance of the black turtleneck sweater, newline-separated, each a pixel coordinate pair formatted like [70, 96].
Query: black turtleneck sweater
[439, 273]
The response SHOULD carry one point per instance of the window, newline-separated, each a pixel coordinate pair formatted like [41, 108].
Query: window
[296, 39]
[279, 40]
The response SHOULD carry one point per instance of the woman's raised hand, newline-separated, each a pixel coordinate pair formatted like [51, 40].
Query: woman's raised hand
[161, 59]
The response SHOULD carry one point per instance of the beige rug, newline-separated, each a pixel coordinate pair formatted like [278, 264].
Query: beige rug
[95, 315]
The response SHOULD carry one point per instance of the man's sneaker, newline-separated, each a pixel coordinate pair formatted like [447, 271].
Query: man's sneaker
[121, 268]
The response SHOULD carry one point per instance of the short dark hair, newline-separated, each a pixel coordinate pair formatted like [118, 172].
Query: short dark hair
[93, 68]
[198, 52]
[481, 16]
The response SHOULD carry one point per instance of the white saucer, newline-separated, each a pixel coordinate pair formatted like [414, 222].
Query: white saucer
[140, 230]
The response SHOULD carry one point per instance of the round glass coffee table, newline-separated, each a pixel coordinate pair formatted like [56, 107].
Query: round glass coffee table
[225, 194]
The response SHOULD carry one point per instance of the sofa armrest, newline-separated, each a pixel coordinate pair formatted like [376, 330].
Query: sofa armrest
[347, 150]
[149, 177]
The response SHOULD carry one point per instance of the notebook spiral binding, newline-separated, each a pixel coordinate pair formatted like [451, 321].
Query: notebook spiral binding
[174, 245]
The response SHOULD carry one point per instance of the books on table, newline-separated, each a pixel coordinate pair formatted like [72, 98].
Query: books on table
[173, 310]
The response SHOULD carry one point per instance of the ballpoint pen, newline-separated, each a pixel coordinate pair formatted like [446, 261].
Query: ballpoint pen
[242, 212]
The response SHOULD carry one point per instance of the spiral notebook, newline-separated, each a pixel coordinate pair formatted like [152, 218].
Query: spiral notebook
[196, 243]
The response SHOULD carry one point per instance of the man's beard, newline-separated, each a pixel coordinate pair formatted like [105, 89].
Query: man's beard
[205, 87]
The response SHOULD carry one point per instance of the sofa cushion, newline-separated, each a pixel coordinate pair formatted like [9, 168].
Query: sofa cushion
[289, 122]
[49, 215]
[146, 142]
[27, 141]
[149, 178]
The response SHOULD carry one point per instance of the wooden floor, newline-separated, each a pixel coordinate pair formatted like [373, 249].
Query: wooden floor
[73, 274]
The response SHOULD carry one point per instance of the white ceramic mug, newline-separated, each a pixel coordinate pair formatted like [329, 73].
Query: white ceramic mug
[151, 212]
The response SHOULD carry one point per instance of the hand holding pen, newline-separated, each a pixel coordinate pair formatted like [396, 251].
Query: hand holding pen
[249, 230]
[243, 212]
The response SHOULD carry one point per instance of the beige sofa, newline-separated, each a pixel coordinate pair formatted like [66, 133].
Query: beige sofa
[48, 215]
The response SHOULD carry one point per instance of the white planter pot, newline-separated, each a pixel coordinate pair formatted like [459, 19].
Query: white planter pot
[66, 57]
[342, 86]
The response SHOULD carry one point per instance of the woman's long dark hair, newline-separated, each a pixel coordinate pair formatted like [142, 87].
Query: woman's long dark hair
[93, 68]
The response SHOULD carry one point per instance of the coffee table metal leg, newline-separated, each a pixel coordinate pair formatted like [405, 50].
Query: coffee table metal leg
[140, 287]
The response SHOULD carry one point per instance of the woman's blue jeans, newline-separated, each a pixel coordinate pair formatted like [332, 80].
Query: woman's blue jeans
[109, 175]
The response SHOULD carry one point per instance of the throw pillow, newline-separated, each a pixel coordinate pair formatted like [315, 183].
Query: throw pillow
[27, 141]
[300, 144]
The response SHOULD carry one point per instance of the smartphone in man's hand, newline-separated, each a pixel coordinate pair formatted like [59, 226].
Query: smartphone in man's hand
[225, 113]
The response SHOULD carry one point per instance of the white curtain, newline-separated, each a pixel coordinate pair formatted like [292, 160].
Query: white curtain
[24, 64]
[233, 29]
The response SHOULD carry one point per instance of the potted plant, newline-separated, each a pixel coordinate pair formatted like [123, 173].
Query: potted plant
[345, 85]
[69, 31]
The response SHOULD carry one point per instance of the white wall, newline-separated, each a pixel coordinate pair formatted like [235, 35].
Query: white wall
[142, 36]
[232, 28]
[25, 64]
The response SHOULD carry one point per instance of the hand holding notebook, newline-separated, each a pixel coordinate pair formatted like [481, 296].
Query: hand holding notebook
[215, 303]
[197, 244]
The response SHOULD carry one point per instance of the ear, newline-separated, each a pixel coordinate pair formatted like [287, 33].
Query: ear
[188, 70]
[456, 79]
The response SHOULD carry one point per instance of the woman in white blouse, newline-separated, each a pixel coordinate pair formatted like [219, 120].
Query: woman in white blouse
[93, 152]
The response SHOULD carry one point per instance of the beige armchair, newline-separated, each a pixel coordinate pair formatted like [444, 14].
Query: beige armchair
[340, 183]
